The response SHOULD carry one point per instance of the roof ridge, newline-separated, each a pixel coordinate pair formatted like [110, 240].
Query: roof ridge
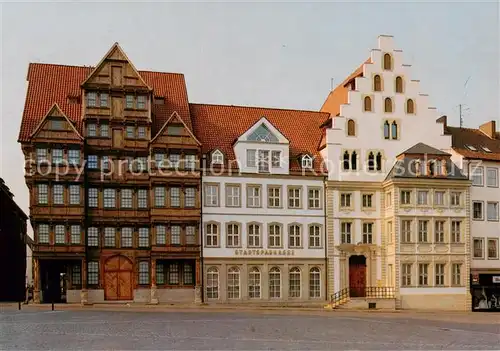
[261, 108]
[91, 67]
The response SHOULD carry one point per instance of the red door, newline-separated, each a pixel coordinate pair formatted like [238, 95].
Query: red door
[357, 276]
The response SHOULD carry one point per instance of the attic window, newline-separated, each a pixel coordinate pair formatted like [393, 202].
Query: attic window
[471, 148]
[307, 162]
[217, 158]
[485, 149]
[159, 101]
[174, 130]
[56, 124]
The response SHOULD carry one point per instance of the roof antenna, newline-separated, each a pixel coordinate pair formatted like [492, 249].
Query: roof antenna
[462, 110]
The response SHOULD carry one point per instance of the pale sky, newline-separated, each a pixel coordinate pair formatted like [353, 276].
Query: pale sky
[262, 54]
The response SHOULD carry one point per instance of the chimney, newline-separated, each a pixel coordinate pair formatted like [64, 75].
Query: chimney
[489, 128]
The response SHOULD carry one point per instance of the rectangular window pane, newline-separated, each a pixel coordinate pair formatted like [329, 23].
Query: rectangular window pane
[43, 233]
[190, 161]
[173, 274]
[493, 249]
[143, 237]
[43, 197]
[109, 198]
[76, 236]
[126, 198]
[190, 197]
[129, 101]
[76, 274]
[91, 129]
[175, 197]
[92, 236]
[160, 197]
[58, 194]
[126, 237]
[74, 157]
[160, 273]
[141, 132]
[93, 197]
[143, 273]
[232, 196]
[251, 158]
[253, 196]
[188, 274]
[175, 232]
[477, 175]
[57, 156]
[161, 235]
[93, 272]
[60, 234]
[109, 237]
[91, 99]
[104, 99]
[274, 199]
[142, 198]
[314, 199]
[190, 235]
[492, 177]
[130, 132]
[92, 162]
[41, 155]
[74, 194]
[211, 195]
[141, 102]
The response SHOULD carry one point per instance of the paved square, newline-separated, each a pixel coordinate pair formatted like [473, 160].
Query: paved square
[114, 330]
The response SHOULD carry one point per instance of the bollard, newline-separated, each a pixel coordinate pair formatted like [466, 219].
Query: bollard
[19, 306]
[52, 305]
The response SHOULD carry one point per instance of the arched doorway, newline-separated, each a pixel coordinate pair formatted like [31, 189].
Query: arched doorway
[118, 273]
[357, 276]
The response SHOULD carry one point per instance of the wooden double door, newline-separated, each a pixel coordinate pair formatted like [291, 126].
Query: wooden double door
[357, 276]
[118, 278]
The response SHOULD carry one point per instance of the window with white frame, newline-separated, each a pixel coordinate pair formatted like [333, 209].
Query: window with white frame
[143, 273]
[423, 274]
[175, 235]
[217, 158]
[126, 198]
[211, 195]
[456, 231]
[93, 272]
[294, 282]
[41, 155]
[492, 177]
[143, 237]
[91, 129]
[43, 233]
[275, 283]
[422, 196]
[254, 234]
[159, 196]
[406, 274]
[161, 234]
[367, 200]
[406, 197]
[58, 194]
[92, 162]
[74, 194]
[477, 210]
[368, 233]
[213, 283]
[73, 157]
[314, 198]
[439, 274]
[345, 232]
[251, 158]
[142, 198]
[253, 196]
[276, 159]
[423, 231]
[406, 229]
[439, 198]
[254, 283]
[233, 196]
[477, 175]
[75, 234]
[212, 235]
[439, 231]
[175, 197]
[314, 236]
[314, 282]
[492, 211]
[190, 197]
[57, 156]
[294, 196]
[455, 198]
[109, 237]
[345, 200]
[274, 196]
[492, 248]
[190, 235]
[92, 237]
[43, 196]
[126, 237]
[263, 161]
[294, 236]
[60, 234]
[190, 162]
[233, 235]
[104, 128]
[307, 162]
[456, 277]
[109, 198]
[274, 236]
[233, 283]
[478, 248]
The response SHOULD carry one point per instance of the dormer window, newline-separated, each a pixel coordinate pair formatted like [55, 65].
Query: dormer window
[263, 134]
[217, 157]
[307, 162]
[56, 124]
[263, 161]
[485, 149]
[276, 159]
[471, 148]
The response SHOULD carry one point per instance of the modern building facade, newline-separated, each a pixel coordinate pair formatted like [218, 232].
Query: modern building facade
[13, 246]
[377, 113]
[263, 205]
[113, 173]
[477, 151]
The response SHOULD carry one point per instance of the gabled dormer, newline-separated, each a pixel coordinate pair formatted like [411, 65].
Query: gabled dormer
[306, 161]
[56, 127]
[262, 149]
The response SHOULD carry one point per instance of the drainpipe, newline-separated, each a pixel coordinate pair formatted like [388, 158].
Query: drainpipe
[202, 170]
[325, 179]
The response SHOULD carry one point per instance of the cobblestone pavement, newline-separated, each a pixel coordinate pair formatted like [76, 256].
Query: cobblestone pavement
[209, 330]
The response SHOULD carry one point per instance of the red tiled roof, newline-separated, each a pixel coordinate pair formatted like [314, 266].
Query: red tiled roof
[460, 137]
[49, 84]
[338, 96]
[219, 126]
